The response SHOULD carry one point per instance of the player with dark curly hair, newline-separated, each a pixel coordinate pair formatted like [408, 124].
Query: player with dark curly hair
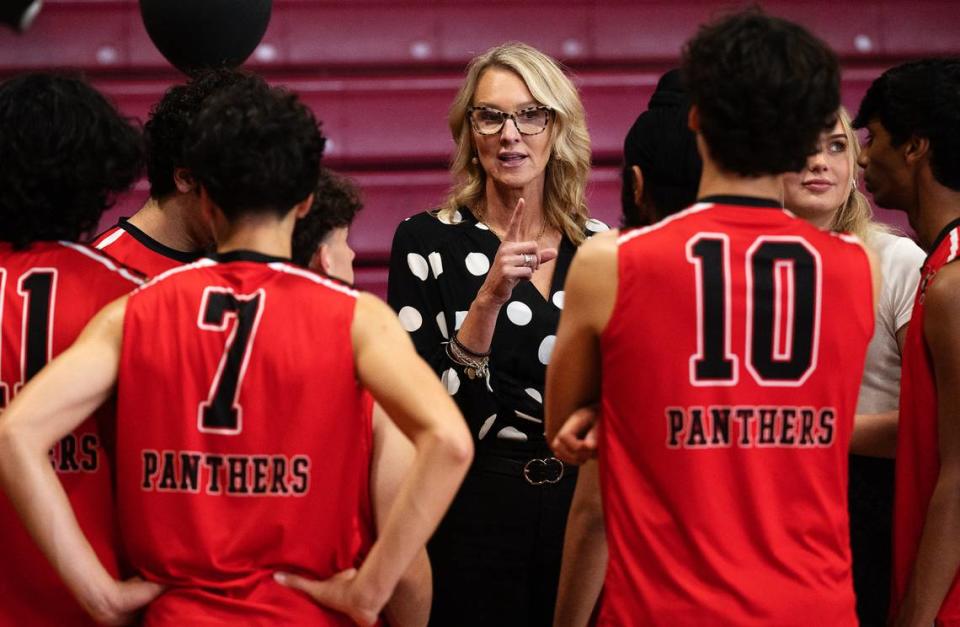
[724, 468]
[66, 153]
[47, 192]
[320, 243]
[239, 453]
[911, 162]
[320, 237]
[168, 230]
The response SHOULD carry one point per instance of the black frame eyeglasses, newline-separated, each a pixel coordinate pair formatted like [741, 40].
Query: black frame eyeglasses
[524, 120]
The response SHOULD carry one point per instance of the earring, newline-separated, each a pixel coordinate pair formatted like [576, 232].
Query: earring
[474, 161]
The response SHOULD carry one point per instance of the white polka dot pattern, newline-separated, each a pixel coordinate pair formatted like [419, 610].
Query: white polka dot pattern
[596, 226]
[442, 323]
[451, 380]
[477, 264]
[482, 226]
[410, 319]
[558, 299]
[519, 314]
[510, 433]
[546, 349]
[458, 319]
[486, 426]
[436, 264]
[418, 266]
[534, 394]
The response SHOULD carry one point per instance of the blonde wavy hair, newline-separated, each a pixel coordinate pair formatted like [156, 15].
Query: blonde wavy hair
[855, 215]
[569, 165]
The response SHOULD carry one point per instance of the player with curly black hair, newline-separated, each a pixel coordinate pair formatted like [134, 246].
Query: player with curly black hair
[320, 237]
[168, 230]
[66, 153]
[724, 467]
[911, 162]
[239, 452]
[56, 180]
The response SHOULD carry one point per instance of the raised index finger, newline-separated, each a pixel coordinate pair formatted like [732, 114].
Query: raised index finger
[516, 220]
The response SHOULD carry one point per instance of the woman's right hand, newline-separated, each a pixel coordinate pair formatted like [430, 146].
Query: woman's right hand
[516, 260]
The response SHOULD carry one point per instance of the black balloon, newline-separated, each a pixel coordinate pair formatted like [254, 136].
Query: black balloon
[19, 14]
[194, 34]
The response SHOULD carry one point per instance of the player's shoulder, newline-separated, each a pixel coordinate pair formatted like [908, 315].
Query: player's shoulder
[174, 276]
[299, 276]
[92, 262]
[683, 220]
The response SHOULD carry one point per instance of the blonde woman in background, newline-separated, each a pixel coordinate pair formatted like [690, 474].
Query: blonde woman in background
[478, 283]
[825, 194]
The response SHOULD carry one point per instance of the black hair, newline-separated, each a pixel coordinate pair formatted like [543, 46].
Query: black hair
[665, 149]
[169, 120]
[764, 88]
[255, 148]
[65, 153]
[920, 98]
[336, 202]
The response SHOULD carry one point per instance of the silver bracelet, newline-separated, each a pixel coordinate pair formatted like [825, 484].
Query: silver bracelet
[474, 364]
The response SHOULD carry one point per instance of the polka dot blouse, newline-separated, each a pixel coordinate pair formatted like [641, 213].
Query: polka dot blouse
[436, 270]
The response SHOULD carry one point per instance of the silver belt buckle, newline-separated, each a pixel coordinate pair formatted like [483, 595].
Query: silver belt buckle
[547, 462]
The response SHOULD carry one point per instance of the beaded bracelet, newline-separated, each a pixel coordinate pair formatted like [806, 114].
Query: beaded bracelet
[474, 364]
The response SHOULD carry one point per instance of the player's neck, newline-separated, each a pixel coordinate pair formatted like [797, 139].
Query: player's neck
[937, 206]
[164, 221]
[264, 234]
[717, 182]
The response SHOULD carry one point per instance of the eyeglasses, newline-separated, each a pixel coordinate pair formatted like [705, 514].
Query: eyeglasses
[530, 121]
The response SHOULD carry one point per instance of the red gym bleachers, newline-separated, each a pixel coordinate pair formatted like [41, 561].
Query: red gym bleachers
[381, 74]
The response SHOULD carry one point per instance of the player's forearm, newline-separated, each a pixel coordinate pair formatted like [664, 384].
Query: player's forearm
[584, 554]
[875, 435]
[410, 604]
[443, 456]
[938, 556]
[41, 502]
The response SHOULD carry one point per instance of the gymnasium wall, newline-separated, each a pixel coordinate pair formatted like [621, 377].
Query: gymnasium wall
[381, 74]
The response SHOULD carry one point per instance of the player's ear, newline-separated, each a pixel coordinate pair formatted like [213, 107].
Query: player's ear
[322, 259]
[303, 207]
[184, 181]
[693, 119]
[916, 149]
[637, 185]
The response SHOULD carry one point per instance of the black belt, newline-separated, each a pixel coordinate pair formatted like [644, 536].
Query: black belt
[537, 471]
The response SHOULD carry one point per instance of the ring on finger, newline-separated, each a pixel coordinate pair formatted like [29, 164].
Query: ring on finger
[527, 259]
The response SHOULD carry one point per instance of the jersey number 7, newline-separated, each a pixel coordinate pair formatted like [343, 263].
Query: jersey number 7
[221, 412]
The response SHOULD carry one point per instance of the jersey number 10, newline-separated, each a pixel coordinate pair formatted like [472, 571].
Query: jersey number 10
[782, 311]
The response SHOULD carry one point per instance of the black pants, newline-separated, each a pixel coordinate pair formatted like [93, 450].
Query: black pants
[871, 523]
[496, 555]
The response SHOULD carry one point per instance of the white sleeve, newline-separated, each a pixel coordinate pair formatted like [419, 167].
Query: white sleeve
[901, 264]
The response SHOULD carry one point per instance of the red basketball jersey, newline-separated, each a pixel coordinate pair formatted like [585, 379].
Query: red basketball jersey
[243, 439]
[48, 293]
[135, 249]
[918, 458]
[731, 365]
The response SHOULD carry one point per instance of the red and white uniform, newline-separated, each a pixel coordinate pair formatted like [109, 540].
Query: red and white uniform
[48, 293]
[731, 366]
[135, 249]
[243, 439]
[918, 458]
